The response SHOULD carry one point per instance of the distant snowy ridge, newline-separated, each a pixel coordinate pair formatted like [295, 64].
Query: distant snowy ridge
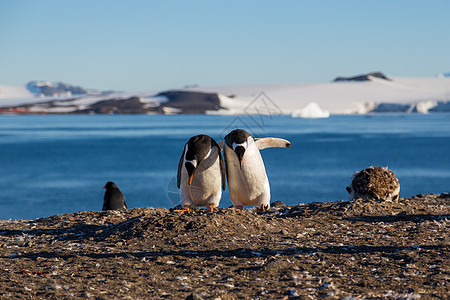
[348, 97]
[58, 89]
[42, 91]
[361, 94]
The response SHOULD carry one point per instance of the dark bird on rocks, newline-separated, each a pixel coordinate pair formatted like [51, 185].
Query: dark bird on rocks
[113, 198]
[374, 183]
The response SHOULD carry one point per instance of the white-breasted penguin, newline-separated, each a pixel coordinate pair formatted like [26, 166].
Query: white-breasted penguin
[201, 173]
[246, 174]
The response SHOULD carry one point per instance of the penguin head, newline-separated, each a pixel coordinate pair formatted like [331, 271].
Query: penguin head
[110, 185]
[198, 148]
[238, 140]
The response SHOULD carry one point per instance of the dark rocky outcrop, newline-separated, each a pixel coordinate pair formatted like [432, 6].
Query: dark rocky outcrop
[391, 107]
[363, 77]
[441, 106]
[178, 102]
[132, 105]
[189, 102]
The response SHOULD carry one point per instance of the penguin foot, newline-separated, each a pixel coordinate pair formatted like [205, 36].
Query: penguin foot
[185, 210]
[238, 208]
[264, 208]
[212, 208]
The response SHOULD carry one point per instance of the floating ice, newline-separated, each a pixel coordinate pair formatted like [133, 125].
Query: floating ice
[311, 111]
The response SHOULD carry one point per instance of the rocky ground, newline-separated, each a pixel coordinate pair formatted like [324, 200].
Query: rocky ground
[370, 250]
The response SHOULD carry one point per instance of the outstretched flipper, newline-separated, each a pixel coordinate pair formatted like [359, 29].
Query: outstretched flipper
[269, 142]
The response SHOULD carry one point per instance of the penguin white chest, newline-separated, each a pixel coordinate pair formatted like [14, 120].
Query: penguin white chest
[248, 184]
[206, 186]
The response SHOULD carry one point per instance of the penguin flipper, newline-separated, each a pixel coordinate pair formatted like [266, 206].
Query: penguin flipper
[106, 201]
[125, 204]
[180, 168]
[269, 142]
[222, 171]
[220, 144]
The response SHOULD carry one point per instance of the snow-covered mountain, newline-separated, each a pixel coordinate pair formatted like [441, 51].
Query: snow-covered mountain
[58, 89]
[38, 91]
[360, 94]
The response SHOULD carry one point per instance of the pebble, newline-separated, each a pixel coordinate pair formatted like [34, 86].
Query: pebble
[292, 292]
[276, 265]
[181, 278]
[194, 296]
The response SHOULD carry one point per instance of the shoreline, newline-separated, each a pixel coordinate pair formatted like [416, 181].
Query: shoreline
[332, 249]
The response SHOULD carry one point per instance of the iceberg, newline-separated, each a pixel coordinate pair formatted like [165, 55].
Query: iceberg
[311, 111]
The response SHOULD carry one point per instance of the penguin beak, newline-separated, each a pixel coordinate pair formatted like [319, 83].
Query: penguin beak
[239, 150]
[190, 170]
[192, 177]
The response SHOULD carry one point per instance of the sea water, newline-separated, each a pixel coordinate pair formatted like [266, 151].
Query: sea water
[55, 164]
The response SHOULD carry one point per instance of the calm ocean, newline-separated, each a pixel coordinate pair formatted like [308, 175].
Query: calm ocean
[55, 164]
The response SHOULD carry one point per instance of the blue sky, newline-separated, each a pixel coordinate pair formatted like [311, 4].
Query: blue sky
[155, 45]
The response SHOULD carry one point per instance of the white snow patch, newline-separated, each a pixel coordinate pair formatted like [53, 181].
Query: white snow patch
[154, 99]
[171, 110]
[15, 95]
[230, 106]
[14, 92]
[339, 97]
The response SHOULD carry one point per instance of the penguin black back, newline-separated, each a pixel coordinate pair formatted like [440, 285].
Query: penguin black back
[113, 198]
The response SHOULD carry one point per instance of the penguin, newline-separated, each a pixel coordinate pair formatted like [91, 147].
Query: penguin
[113, 198]
[374, 183]
[201, 173]
[246, 174]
